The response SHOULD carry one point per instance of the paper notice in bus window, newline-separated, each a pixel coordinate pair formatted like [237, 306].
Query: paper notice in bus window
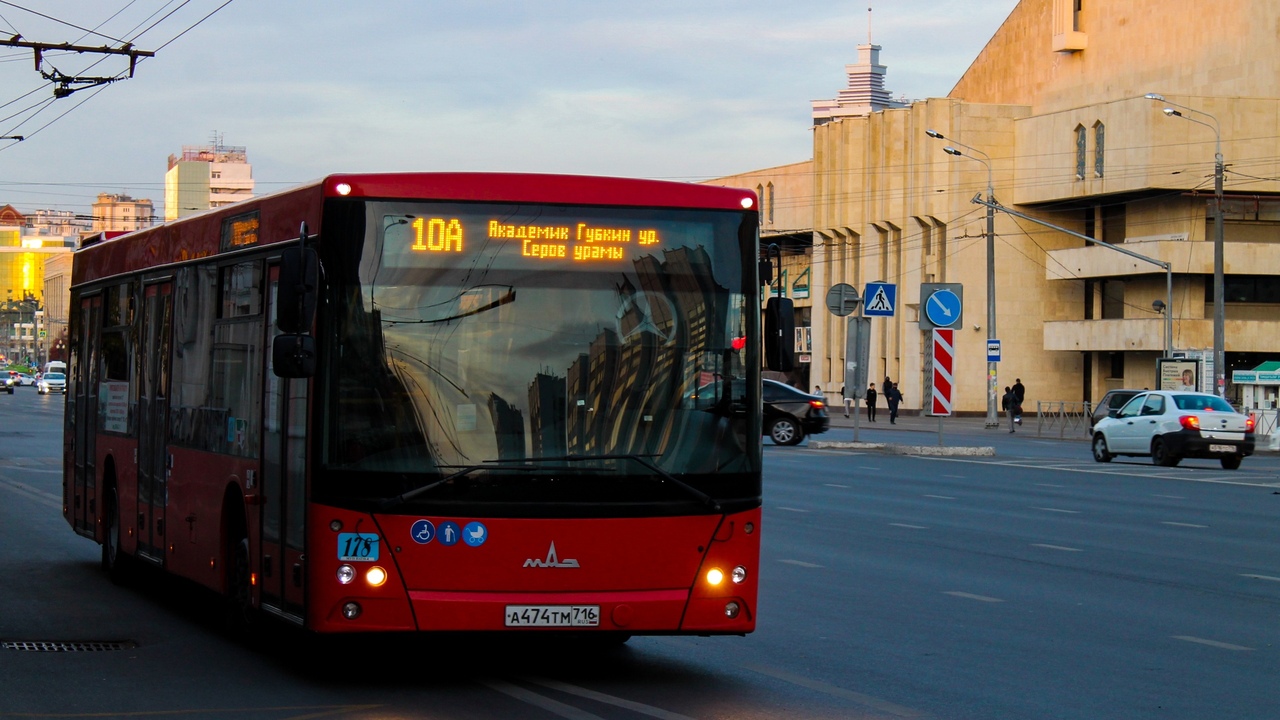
[466, 418]
[116, 406]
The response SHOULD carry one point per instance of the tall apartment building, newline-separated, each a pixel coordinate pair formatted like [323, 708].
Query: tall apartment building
[122, 213]
[205, 177]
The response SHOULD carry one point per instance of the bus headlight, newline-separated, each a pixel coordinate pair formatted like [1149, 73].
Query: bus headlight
[715, 576]
[351, 610]
[739, 574]
[376, 576]
[731, 610]
[346, 574]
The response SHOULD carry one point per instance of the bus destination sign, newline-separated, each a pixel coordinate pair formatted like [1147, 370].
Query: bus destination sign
[579, 242]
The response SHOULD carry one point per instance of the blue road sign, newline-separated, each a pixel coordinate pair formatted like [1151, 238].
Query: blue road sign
[880, 300]
[993, 351]
[943, 309]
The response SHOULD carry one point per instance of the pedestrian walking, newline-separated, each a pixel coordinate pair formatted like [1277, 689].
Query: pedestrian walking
[871, 402]
[848, 401]
[892, 396]
[1009, 403]
[1021, 392]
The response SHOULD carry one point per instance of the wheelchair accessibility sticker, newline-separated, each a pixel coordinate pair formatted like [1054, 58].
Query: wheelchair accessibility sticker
[423, 532]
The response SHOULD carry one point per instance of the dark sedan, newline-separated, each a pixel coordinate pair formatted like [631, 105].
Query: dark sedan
[791, 414]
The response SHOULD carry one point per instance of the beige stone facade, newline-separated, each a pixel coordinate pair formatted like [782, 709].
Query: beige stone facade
[1056, 103]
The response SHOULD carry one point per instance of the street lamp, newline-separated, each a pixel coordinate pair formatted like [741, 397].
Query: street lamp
[1219, 312]
[992, 415]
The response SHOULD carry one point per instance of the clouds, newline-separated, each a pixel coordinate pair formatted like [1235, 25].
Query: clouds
[652, 89]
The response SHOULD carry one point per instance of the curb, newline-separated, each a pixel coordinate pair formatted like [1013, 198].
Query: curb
[897, 449]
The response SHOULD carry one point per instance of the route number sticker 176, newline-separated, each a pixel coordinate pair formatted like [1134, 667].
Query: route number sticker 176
[357, 547]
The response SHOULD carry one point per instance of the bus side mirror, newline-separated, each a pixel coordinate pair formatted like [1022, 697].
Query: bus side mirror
[780, 334]
[297, 291]
[293, 356]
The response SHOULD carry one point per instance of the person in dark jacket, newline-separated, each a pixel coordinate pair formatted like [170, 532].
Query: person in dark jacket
[1012, 408]
[871, 402]
[892, 396]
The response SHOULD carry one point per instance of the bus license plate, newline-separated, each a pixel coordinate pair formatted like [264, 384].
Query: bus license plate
[1222, 448]
[553, 615]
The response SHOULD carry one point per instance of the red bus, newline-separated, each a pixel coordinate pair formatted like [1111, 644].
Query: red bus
[432, 402]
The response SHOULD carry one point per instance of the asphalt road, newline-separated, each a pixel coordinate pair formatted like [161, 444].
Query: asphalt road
[1034, 584]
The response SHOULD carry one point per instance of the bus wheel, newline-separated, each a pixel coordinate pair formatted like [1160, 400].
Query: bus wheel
[239, 599]
[114, 561]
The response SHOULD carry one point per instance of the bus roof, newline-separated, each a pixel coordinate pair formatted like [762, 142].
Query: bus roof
[277, 217]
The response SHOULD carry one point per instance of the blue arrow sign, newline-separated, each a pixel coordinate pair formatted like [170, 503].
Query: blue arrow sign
[943, 309]
[880, 300]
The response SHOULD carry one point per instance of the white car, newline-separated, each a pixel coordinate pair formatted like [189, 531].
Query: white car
[52, 382]
[1169, 426]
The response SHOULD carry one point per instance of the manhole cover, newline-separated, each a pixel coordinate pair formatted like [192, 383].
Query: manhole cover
[67, 646]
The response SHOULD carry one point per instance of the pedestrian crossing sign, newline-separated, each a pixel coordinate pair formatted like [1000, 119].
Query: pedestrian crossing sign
[880, 300]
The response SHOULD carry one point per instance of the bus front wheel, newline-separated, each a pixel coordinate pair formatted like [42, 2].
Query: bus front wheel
[114, 560]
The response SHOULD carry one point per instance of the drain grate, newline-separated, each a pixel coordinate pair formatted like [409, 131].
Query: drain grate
[61, 646]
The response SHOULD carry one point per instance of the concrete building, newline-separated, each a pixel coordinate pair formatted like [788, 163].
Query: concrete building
[122, 213]
[205, 177]
[1052, 116]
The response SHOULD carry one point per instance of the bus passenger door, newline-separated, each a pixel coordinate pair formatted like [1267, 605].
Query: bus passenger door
[153, 418]
[84, 505]
[284, 480]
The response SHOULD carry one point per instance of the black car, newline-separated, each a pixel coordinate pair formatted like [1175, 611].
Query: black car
[1110, 404]
[791, 414]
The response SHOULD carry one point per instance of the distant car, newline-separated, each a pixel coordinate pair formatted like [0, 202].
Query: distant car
[1170, 426]
[10, 382]
[791, 414]
[1110, 404]
[52, 382]
[23, 378]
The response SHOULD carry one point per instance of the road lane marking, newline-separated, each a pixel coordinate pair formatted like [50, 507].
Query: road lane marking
[1064, 548]
[32, 493]
[1212, 643]
[971, 596]
[836, 691]
[1171, 497]
[1262, 577]
[913, 527]
[867, 467]
[1057, 510]
[1178, 524]
[600, 697]
[957, 477]
[842, 487]
[1125, 471]
[801, 563]
[1049, 485]
[530, 697]
[791, 509]
[939, 497]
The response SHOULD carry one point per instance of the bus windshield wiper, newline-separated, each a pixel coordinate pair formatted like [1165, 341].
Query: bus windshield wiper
[643, 462]
[391, 502]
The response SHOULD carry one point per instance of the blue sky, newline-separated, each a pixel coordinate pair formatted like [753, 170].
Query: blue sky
[663, 89]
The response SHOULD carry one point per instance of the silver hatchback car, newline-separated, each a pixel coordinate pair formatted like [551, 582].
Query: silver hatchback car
[1169, 426]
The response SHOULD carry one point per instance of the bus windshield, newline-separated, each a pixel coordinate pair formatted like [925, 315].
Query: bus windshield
[539, 352]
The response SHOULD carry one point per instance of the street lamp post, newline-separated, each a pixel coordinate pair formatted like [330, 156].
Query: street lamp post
[993, 419]
[1219, 309]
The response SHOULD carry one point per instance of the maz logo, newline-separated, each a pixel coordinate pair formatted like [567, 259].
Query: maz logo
[551, 561]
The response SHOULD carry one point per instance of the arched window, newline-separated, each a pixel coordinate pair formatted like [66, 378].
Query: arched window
[1082, 138]
[1099, 144]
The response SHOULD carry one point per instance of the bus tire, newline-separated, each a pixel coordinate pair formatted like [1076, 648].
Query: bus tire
[239, 614]
[115, 563]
